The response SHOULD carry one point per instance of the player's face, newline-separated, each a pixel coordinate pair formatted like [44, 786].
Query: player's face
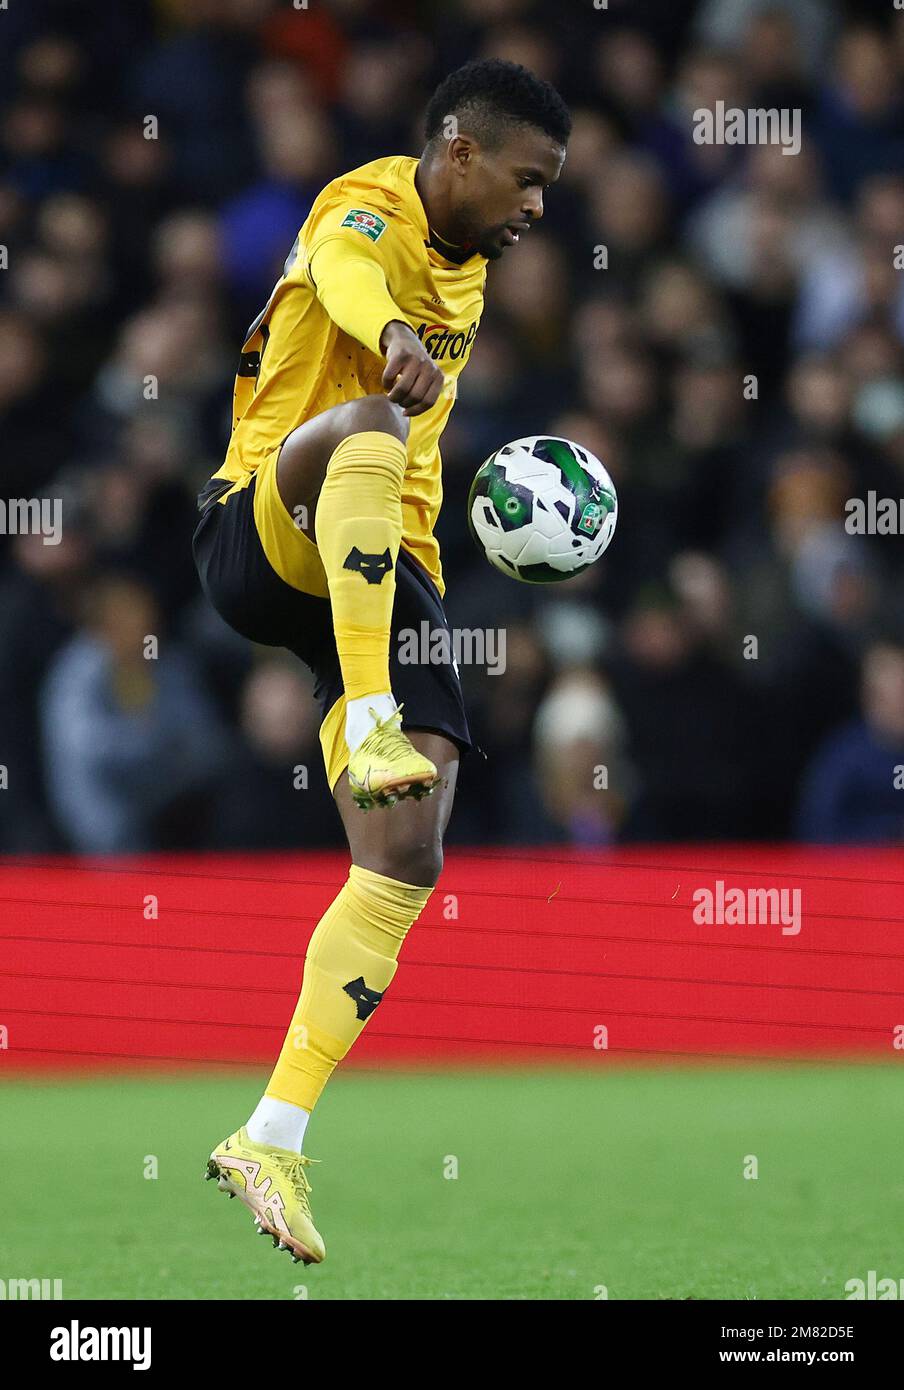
[501, 193]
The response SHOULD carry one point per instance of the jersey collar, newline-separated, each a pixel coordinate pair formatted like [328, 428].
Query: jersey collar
[456, 255]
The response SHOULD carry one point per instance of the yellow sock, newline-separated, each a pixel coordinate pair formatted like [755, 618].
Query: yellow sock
[359, 529]
[351, 959]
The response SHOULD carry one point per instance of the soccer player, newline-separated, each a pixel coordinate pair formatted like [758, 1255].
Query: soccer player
[317, 535]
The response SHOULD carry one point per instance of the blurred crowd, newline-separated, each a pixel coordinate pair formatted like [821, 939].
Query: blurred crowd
[734, 666]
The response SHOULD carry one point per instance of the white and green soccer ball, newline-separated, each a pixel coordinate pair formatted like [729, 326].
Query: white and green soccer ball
[542, 509]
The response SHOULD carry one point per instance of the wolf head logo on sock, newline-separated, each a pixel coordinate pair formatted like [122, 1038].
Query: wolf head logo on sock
[366, 999]
[373, 567]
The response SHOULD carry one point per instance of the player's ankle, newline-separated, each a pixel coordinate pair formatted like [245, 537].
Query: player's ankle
[279, 1123]
[359, 720]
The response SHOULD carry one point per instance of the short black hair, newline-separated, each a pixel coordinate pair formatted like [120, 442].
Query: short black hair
[492, 94]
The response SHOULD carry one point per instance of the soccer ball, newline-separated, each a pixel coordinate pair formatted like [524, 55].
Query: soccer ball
[542, 509]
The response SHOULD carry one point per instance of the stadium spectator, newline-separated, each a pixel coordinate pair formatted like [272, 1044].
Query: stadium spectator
[586, 782]
[270, 794]
[131, 741]
[853, 791]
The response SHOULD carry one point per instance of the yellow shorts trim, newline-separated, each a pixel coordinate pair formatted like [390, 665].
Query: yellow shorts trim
[333, 744]
[293, 556]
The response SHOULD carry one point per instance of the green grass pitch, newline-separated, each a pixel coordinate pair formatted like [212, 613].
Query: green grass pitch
[567, 1181]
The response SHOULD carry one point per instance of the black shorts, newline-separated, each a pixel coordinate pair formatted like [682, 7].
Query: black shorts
[256, 602]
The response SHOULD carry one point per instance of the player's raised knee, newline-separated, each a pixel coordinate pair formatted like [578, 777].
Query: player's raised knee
[380, 414]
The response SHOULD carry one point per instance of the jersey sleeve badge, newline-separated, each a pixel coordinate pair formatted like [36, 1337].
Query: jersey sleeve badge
[368, 223]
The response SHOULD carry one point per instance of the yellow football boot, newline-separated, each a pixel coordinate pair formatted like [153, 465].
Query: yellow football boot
[273, 1185]
[387, 767]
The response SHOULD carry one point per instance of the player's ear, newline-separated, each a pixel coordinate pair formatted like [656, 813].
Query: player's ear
[461, 151]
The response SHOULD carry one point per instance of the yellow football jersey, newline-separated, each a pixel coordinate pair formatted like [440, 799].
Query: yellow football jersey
[297, 362]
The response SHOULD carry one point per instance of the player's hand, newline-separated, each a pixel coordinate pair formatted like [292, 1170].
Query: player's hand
[412, 379]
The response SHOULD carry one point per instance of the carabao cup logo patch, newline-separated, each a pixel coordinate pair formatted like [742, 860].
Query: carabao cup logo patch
[367, 222]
